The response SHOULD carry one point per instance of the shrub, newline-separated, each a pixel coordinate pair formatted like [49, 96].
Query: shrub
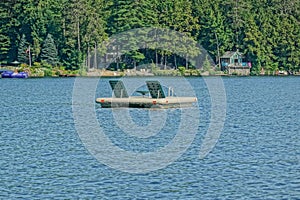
[212, 72]
[37, 72]
[154, 68]
[46, 65]
[181, 70]
[23, 65]
[254, 73]
[37, 64]
[57, 73]
[48, 72]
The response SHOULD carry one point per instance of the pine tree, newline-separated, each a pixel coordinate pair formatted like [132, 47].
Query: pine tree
[49, 51]
[4, 48]
[236, 12]
[94, 26]
[215, 35]
[22, 50]
[4, 38]
[267, 31]
[127, 15]
[45, 16]
[253, 42]
[206, 64]
[183, 21]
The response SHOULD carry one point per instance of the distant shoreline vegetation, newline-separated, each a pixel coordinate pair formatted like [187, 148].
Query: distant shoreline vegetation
[63, 33]
[38, 71]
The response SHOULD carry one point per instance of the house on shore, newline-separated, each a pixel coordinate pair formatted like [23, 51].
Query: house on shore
[234, 62]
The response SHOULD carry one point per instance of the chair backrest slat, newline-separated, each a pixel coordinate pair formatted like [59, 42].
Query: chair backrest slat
[118, 89]
[155, 89]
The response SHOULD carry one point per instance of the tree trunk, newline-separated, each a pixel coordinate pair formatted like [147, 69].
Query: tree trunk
[117, 58]
[78, 35]
[88, 60]
[186, 62]
[175, 61]
[218, 49]
[165, 62]
[156, 58]
[95, 59]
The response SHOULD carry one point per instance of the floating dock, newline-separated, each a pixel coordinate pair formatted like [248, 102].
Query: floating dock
[156, 98]
[146, 102]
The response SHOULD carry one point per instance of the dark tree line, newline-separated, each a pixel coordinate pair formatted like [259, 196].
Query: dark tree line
[64, 32]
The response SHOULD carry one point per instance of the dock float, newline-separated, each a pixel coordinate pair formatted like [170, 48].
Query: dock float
[155, 99]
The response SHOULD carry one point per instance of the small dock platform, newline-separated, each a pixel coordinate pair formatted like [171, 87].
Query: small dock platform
[146, 102]
[156, 99]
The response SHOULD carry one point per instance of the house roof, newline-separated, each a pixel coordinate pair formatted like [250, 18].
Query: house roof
[229, 54]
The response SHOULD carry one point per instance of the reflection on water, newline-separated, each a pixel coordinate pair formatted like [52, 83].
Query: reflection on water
[256, 157]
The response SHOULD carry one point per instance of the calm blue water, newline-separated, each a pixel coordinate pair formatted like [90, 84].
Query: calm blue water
[256, 157]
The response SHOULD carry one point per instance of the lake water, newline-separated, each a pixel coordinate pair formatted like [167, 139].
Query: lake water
[256, 157]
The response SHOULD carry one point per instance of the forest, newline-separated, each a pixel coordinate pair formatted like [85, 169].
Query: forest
[63, 32]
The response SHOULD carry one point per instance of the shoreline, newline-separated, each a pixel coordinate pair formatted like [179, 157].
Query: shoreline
[134, 76]
[225, 76]
[134, 73]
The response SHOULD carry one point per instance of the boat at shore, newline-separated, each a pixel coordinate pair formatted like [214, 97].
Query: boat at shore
[153, 98]
[11, 74]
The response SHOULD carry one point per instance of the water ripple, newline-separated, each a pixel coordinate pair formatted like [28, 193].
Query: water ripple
[257, 156]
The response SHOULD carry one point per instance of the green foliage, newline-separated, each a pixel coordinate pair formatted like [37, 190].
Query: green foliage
[206, 65]
[82, 72]
[181, 70]
[127, 14]
[49, 51]
[48, 72]
[73, 60]
[45, 64]
[23, 65]
[234, 73]
[4, 48]
[215, 32]
[167, 73]
[267, 32]
[37, 72]
[154, 68]
[23, 50]
[212, 72]
[4, 28]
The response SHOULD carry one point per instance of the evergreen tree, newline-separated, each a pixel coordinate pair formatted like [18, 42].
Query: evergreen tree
[127, 15]
[4, 29]
[206, 64]
[215, 35]
[23, 50]
[45, 17]
[236, 13]
[49, 51]
[4, 48]
[253, 42]
[267, 31]
[182, 20]
[73, 31]
[95, 27]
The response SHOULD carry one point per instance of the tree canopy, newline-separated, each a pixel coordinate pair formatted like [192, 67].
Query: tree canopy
[266, 31]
